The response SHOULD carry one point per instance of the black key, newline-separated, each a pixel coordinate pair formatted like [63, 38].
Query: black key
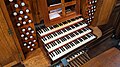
[73, 44]
[73, 19]
[77, 18]
[55, 26]
[67, 37]
[62, 39]
[69, 45]
[61, 32]
[65, 22]
[87, 28]
[68, 21]
[55, 34]
[80, 31]
[47, 46]
[67, 29]
[46, 29]
[72, 27]
[72, 35]
[64, 30]
[48, 37]
[56, 52]
[88, 35]
[60, 24]
[43, 38]
[91, 34]
[58, 33]
[51, 54]
[52, 35]
[51, 27]
[84, 37]
[59, 51]
[40, 31]
[77, 42]
[76, 25]
[63, 48]
[66, 47]
[54, 43]
[76, 33]
[80, 23]
[80, 16]
[59, 41]
[80, 40]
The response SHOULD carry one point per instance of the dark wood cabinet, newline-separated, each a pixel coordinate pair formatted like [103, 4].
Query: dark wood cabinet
[115, 20]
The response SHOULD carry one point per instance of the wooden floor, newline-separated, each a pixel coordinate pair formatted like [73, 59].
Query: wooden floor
[110, 58]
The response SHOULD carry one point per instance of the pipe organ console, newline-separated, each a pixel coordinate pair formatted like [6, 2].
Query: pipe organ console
[65, 37]
[61, 41]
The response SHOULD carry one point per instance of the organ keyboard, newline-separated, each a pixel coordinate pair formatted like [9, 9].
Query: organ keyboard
[54, 28]
[65, 37]
[59, 52]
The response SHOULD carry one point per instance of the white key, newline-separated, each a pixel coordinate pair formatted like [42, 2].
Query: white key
[74, 47]
[55, 29]
[69, 40]
[49, 40]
